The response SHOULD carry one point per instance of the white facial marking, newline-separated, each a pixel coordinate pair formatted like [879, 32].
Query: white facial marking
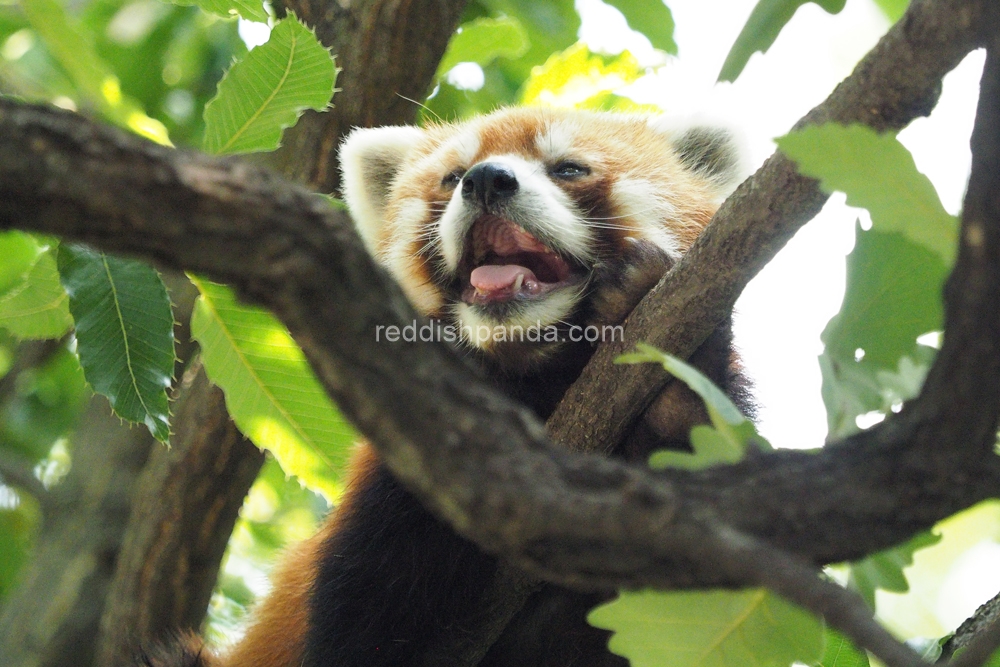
[556, 141]
[650, 211]
[465, 146]
[369, 158]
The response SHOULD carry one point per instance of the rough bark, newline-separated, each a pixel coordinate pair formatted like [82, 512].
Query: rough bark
[189, 499]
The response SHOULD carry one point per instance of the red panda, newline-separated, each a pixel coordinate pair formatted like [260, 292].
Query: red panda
[517, 231]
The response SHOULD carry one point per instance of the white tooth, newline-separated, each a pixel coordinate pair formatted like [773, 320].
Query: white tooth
[518, 282]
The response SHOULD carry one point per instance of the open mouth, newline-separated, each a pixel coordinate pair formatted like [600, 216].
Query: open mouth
[503, 262]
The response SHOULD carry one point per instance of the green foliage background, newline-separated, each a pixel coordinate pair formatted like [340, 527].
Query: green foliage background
[155, 68]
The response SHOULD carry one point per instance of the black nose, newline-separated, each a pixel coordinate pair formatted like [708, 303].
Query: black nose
[489, 183]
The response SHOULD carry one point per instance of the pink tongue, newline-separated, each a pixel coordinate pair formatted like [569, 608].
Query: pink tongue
[491, 278]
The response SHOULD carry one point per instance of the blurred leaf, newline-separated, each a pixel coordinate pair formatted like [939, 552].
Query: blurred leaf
[848, 390]
[726, 442]
[709, 629]
[551, 26]
[251, 10]
[277, 512]
[38, 307]
[893, 9]
[710, 447]
[652, 18]
[484, 40]
[884, 569]
[268, 90]
[92, 77]
[18, 254]
[893, 295]
[18, 526]
[928, 648]
[272, 394]
[45, 407]
[877, 173]
[721, 409]
[766, 21]
[838, 651]
[568, 79]
[124, 333]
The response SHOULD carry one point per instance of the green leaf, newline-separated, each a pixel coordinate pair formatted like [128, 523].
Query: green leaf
[722, 410]
[710, 447]
[652, 18]
[18, 527]
[124, 333]
[271, 393]
[268, 90]
[849, 390]
[484, 40]
[19, 252]
[251, 10]
[39, 306]
[879, 174]
[766, 21]
[893, 295]
[91, 76]
[572, 77]
[726, 442]
[838, 651]
[884, 569]
[893, 9]
[46, 406]
[551, 26]
[709, 629]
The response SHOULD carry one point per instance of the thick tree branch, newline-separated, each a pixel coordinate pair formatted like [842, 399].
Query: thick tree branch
[986, 616]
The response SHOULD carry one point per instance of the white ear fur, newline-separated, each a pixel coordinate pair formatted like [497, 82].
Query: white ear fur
[713, 149]
[370, 158]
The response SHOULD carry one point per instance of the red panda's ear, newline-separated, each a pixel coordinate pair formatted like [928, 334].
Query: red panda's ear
[369, 161]
[715, 150]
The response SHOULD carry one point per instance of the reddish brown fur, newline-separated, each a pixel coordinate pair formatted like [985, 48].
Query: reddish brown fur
[277, 634]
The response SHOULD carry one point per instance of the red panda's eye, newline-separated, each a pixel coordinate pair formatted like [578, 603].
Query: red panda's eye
[569, 170]
[452, 179]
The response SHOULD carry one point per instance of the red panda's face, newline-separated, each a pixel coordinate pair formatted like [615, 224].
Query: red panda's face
[530, 218]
